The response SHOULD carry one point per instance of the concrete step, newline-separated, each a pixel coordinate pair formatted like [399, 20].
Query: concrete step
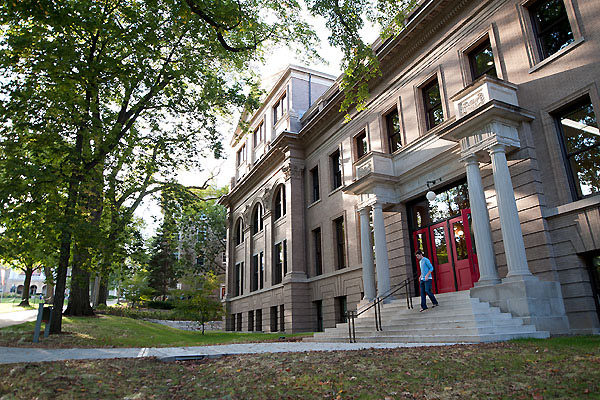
[459, 318]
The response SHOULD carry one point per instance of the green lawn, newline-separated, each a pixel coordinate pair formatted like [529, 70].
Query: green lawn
[10, 304]
[112, 331]
[564, 368]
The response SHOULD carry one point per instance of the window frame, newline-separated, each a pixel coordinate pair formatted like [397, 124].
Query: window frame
[279, 206]
[438, 75]
[280, 108]
[536, 60]
[556, 115]
[356, 140]
[471, 58]
[279, 261]
[315, 184]
[339, 243]
[464, 52]
[337, 177]
[239, 232]
[389, 131]
[317, 250]
[257, 219]
[427, 108]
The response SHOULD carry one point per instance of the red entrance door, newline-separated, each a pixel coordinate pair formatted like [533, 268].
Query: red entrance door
[450, 248]
[442, 262]
[465, 260]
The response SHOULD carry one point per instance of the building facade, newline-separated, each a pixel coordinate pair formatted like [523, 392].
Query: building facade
[490, 105]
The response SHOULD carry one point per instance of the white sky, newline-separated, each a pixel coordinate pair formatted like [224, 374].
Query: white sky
[279, 59]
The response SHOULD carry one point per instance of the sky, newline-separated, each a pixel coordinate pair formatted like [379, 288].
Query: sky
[276, 61]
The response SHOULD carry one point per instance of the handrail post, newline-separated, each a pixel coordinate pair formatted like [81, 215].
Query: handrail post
[379, 307]
[348, 317]
[375, 308]
[353, 326]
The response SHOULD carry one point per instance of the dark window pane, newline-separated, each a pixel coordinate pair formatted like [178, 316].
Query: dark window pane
[460, 242]
[441, 250]
[315, 184]
[336, 170]
[551, 25]
[361, 145]
[433, 104]
[581, 136]
[482, 61]
[393, 130]
[340, 243]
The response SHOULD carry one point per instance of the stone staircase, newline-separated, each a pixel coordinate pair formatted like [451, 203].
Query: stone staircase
[458, 319]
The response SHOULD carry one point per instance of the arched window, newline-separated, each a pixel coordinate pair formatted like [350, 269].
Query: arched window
[257, 219]
[239, 232]
[280, 202]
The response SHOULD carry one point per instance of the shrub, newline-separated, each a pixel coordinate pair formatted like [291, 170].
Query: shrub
[160, 305]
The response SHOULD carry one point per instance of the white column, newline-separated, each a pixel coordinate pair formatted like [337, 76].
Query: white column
[381, 253]
[366, 248]
[488, 274]
[510, 225]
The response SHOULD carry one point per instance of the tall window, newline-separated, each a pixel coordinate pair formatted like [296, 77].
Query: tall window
[314, 176]
[261, 270]
[239, 279]
[273, 318]
[581, 139]
[432, 102]
[360, 141]
[319, 312]
[280, 202]
[279, 109]
[258, 317]
[281, 318]
[316, 233]
[254, 273]
[280, 262]
[392, 124]
[340, 243]
[241, 155]
[259, 135]
[336, 170]
[551, 26]
[257, 219]
[481, 60]
[239, 232]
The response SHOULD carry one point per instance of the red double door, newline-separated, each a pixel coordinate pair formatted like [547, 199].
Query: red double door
[450, 248]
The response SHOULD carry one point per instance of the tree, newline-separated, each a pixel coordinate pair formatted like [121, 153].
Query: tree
[88, 84]
[345, 19]
[199, 301]
[201, 224]
[162, 271]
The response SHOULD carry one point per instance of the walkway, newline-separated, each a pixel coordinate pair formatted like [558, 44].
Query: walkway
[9, 355]
[17, 317]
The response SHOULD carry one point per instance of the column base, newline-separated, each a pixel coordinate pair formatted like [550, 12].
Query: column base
[538, 302]
[487, 282]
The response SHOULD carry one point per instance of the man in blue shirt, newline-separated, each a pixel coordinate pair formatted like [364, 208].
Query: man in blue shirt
[425, 280]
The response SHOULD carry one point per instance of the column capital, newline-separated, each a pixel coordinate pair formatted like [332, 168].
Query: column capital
[497, 148]
[377, 206]
[364, 210]
[470, 159]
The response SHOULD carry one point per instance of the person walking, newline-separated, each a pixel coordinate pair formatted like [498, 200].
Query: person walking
[425, 280]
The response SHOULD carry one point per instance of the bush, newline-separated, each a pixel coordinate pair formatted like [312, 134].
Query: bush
[160, 305]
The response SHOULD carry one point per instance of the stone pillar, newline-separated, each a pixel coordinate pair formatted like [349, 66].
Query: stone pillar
[512, 236]
[366, 248]
[488, 274]
[381, 252]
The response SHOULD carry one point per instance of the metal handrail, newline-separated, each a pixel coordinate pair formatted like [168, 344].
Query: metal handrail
[376, 304]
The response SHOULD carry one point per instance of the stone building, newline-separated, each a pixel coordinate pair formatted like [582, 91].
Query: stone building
[492, 105]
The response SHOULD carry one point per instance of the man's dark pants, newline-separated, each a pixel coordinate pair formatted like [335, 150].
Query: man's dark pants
[426, 288]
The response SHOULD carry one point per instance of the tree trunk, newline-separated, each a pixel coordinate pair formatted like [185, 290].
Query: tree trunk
[79, 298]
[25, 296]
[49, 283]
[103, 292]
[65, 243]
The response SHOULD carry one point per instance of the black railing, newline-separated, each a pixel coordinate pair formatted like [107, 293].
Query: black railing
[376, 305]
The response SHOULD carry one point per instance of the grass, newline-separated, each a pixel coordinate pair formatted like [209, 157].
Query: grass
[112, 331]
[11, 304]
[565, 368]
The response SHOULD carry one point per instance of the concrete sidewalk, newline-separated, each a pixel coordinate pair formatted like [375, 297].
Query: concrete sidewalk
[17, 317]
[10, 355]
